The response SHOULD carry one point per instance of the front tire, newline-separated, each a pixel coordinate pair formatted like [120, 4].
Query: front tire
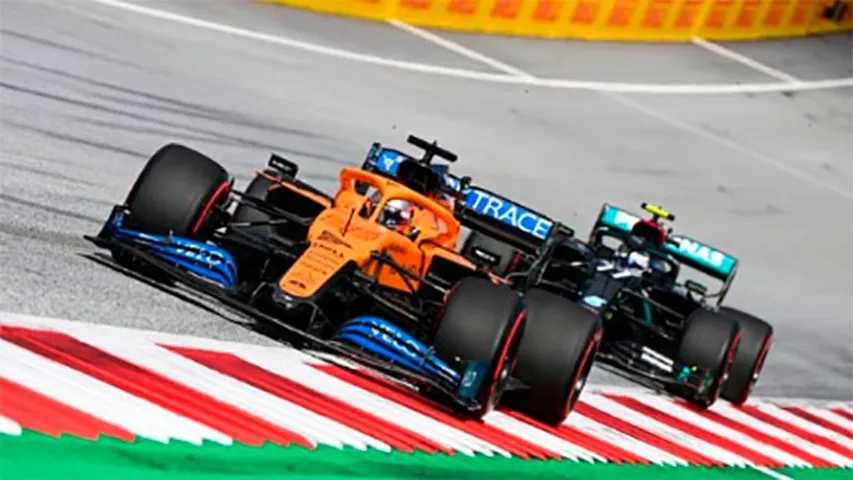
[176, 193]
[556, 355]
[482, 322]
[756, 339]
[710, 341]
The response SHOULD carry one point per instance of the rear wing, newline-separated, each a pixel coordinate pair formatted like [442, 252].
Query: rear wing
[684, 249]
[386, 161]
[476, 208]
[505, 220]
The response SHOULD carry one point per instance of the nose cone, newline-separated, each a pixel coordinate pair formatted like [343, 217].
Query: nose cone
[317, 265]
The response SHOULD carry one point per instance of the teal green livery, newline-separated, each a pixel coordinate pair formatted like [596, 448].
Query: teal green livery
[687, 250]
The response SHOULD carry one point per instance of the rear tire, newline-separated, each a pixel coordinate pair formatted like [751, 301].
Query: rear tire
[176, 193]
[755, 341]
[482, 322]
[710, 341]
[556, 355]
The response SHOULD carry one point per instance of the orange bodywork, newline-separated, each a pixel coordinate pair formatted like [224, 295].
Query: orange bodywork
[348, 232]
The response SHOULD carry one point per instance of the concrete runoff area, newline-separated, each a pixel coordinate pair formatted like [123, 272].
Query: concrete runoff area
[88, 91]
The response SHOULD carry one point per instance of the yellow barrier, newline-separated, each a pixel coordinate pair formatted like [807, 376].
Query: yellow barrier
[649, 20]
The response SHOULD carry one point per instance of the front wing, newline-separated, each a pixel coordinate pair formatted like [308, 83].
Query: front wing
[645, 366]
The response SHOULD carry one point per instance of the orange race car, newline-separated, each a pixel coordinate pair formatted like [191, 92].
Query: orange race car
[372, 273]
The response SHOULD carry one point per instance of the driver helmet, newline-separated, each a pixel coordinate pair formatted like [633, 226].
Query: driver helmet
[649, 231]
[662, 273]
[397, 214]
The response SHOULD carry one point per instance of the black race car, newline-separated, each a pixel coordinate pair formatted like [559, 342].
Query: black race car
[662, 327]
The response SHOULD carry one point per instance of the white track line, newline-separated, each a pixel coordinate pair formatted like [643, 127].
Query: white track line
[519, 78]
[771, 473]
[743, 59]
[307, 46]
[690, 89]
[498, 65]
[460, 49]
[514, 75]
[673, 122]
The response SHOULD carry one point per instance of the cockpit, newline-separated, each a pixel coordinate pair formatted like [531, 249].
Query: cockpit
[397, 207]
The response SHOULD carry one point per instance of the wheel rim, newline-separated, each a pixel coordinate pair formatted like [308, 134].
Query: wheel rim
[220, 192]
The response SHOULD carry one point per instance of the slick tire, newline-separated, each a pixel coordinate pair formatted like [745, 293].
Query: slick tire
[710, 341]
[504, 252]
[482, 322]
[755, 341]
[555, 357]
[176, 193]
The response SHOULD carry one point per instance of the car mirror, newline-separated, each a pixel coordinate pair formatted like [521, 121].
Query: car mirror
[282, 165]
[696, 287]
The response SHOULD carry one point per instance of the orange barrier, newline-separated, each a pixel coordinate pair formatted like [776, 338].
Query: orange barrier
[634, 20]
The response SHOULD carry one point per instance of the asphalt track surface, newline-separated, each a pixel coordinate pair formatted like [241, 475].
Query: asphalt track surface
[89, 90]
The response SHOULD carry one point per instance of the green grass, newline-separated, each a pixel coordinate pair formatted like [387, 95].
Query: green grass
[37, 456]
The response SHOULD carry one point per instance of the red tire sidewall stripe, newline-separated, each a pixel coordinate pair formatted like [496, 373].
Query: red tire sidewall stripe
[591, 348]
[220, 191]
[728, 361]
[756, 368]
[508, 341]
